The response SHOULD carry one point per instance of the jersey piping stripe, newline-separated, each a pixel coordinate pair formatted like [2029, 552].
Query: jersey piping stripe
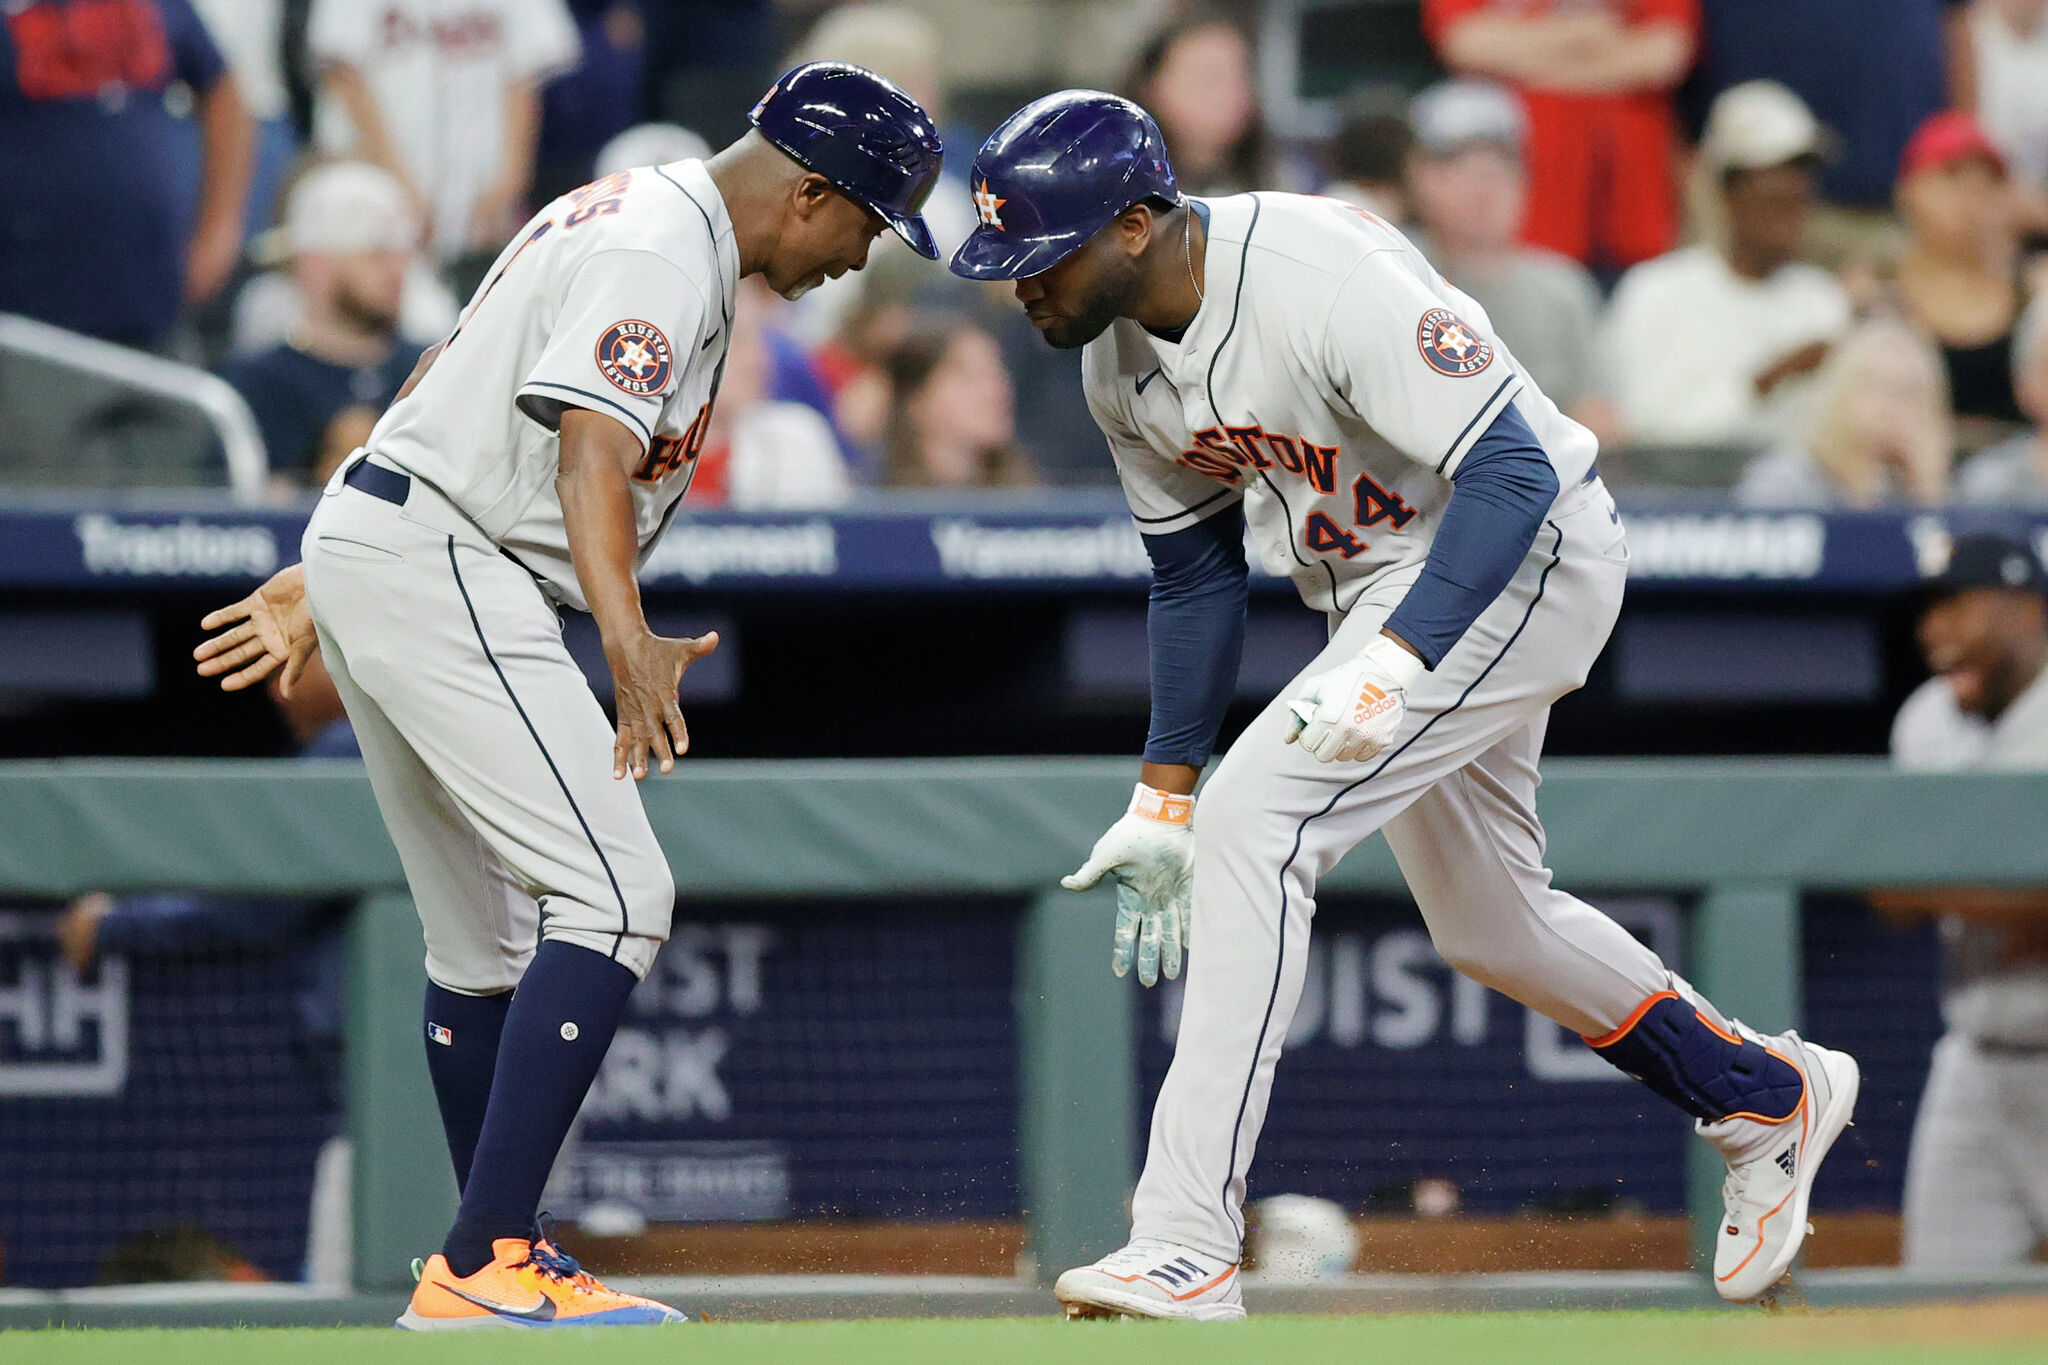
[625, 918]
[1300, 830]
[717, 261]
[1484, 409]
[620, 408]
[1243, 264]
[1188, 511]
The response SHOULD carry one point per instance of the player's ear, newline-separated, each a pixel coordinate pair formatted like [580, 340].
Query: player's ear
[810, 195]
[1135, 228]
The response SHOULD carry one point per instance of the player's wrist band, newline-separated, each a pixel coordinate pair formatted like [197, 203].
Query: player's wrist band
[1168, 808]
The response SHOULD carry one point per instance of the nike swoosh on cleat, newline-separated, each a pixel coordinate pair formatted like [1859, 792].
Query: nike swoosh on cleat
[544, 1311]
[1146, 380]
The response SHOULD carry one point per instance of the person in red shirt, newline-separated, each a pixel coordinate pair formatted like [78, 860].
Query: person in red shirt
[1597, 78]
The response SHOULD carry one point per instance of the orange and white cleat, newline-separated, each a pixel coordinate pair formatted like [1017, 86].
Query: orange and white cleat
[527, 1284]
[1153, 1279]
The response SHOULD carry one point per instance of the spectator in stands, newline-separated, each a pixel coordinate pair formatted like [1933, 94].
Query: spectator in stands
[1195, 77]
[444, 94]
[760, 450]
[2009, 46]
[1871, 70]
[98, 231]
[648, 144]
[953, 422]
[1882, 434]
[1977, 1177]
[1469, 191]
[250, 35]
[1597, 78]
[1960, 278]
[1369, 154]
[588, 105]
[2015, 471]
[351, 235]
[1707, 345]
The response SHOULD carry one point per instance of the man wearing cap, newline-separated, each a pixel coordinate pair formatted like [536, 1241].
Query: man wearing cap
[1469, 188]
[1977, 1177]
[530, 464]
[351, 235]
[1292, 366]
[1708, 345]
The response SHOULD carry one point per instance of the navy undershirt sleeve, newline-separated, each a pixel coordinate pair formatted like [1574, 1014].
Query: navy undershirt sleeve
[1195, 627]
[1498, 500]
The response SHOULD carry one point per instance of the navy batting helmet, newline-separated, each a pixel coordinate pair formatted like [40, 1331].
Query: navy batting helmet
[1057, 172]
[862, 133]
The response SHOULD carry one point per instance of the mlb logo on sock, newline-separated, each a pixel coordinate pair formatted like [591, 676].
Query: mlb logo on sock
[438, 1034]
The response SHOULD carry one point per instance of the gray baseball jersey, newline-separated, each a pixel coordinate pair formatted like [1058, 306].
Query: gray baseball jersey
[1977, 1173]
[617, 298]
[1332, 381]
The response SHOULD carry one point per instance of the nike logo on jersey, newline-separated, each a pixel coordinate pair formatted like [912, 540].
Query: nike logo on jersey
[707, 342]
[1146, 380]
[544, 1311]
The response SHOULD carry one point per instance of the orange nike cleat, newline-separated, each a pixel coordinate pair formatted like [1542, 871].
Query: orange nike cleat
[527, 1284]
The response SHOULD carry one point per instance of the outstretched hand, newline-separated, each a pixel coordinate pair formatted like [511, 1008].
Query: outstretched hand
[271, 627]
[645, 675]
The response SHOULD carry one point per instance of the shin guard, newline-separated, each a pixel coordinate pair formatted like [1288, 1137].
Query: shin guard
[1713, 1075]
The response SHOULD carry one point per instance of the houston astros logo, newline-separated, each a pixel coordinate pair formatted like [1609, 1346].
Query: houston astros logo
[635, 357]
[986, 205]
[1450, 346]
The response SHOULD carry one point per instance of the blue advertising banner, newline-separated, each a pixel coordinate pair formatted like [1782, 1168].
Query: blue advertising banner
[1074, 539]
[860, 1059]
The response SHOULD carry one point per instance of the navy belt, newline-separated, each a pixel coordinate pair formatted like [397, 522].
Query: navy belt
[379, 482]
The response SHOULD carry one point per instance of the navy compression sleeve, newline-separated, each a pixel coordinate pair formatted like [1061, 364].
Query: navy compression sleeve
[1195, 628]
[1498, 500]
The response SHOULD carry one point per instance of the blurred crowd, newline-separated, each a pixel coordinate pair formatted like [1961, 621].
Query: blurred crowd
[1805, 239]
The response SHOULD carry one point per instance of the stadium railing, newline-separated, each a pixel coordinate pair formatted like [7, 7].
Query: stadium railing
[1747, 835]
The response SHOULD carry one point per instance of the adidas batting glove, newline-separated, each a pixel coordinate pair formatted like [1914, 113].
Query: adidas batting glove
[1354, 710]
[1150, 853]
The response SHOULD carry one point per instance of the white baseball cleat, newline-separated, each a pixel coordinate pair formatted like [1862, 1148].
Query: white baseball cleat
[1153, 1279]
[1771, 1167]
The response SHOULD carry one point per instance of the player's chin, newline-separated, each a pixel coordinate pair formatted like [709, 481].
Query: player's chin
[1068, 334]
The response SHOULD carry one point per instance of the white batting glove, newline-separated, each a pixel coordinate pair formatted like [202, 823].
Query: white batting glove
[1354, 710]
[1150, 852]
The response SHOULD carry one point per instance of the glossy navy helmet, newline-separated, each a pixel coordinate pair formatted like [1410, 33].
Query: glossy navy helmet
[1057, 172]
[862, 133]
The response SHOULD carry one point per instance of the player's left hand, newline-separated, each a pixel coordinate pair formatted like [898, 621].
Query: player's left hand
[1150, 853]
[1353, 711]
[646, 670]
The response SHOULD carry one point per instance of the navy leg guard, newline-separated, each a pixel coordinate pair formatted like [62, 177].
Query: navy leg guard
[1670, 1047]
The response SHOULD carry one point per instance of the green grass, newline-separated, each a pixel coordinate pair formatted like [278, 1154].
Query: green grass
[1666, 1338]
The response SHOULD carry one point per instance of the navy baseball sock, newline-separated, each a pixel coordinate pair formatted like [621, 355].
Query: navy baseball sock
[462, 1052]
[556, 1033]
[1671, 1047]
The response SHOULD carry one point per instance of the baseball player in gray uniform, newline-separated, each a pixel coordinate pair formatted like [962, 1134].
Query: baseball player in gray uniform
[1977, 1176]
[1293, 365]
[531, 463]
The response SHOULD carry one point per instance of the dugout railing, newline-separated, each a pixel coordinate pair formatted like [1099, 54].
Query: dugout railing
[1747, 836]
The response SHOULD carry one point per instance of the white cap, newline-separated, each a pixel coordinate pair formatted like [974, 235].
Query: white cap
[649, 144]
[1758, 124]
[342, 208]
[1452, 115]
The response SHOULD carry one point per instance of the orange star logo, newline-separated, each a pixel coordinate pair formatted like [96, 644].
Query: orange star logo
[986, 205]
